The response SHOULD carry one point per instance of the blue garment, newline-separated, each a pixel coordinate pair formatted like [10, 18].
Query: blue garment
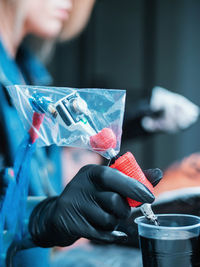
[26, 69]
[30, 69]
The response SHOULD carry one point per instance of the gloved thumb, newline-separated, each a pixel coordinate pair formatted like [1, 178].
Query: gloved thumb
[153, 175]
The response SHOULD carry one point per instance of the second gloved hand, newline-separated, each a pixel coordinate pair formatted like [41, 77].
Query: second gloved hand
[176, 112]
[90, 206]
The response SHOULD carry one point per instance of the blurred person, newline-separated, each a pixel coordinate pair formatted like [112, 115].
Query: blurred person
[181, 174]
[164, 112]
[92, 204]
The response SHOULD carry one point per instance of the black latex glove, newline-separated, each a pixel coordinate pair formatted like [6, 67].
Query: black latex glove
[153, 175]
[90, 206]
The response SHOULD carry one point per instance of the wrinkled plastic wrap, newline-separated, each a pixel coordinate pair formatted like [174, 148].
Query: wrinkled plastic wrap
[73, 116]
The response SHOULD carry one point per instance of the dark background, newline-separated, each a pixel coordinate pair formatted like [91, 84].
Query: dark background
[135, 45]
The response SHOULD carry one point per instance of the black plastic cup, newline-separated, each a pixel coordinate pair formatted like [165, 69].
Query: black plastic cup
[175, 243]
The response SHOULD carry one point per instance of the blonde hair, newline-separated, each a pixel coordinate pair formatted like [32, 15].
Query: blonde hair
[20, 14]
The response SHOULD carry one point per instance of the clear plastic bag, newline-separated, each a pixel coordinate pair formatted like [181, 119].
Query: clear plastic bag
[72, 117]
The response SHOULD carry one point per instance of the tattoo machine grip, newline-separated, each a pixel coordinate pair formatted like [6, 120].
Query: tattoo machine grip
[128, 165]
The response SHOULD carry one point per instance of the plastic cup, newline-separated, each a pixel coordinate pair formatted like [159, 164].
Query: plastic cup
[174, 243]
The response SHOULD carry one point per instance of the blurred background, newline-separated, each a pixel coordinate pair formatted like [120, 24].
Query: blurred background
[136, 45]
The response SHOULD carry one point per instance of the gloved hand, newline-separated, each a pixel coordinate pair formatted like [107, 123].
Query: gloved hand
[176, 112]
[90, 206]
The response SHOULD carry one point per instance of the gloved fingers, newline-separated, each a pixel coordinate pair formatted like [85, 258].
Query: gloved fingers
[105, 236]
[153, 175]
[113, 203]
[98, 218]
[112, 180]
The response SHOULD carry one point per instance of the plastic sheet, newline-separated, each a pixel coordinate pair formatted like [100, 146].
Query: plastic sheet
[72, 116]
